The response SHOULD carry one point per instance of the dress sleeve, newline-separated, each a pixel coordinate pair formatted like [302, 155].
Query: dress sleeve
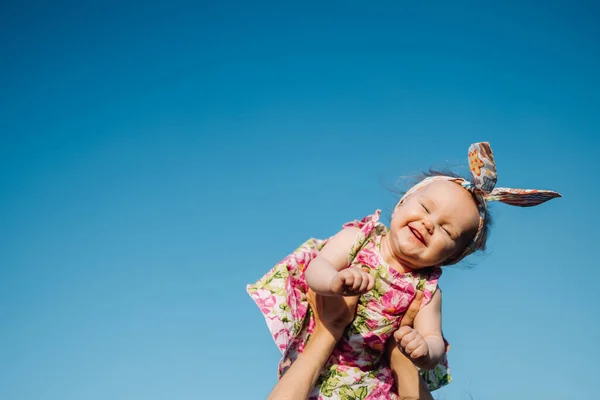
[367, 227]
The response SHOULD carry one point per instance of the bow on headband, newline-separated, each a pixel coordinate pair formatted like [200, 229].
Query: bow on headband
[483, 171]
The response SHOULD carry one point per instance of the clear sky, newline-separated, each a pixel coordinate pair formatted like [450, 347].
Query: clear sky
[155, 157]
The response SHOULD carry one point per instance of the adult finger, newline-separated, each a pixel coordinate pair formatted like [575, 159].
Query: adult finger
[413, 309]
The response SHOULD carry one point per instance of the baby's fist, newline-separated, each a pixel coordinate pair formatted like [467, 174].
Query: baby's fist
[412, 343]
[351, 282]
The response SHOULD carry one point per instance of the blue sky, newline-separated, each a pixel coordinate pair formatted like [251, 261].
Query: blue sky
[157, 156]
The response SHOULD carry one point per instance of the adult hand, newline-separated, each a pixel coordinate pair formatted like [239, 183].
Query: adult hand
[333, 313]
[408, 381]
[413, 309]
[407, 339]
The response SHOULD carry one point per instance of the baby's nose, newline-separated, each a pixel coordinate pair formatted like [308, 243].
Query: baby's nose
[428, 225]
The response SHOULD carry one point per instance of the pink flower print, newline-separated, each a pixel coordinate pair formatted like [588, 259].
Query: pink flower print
[372, 324]
[299, 311]
[281, 338]
[297, 284]
[405, 285]
[343, 368]
[301, 347]
[302, 259]
[368, 257]
[310, 328]
[345, 348]
[265, 300]
[426, 297]
[394, 302]
[294, 347]
[373, 341]
[381, 392]
[385, 375]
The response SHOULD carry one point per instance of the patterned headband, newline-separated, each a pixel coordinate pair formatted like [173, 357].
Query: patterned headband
[483, 170]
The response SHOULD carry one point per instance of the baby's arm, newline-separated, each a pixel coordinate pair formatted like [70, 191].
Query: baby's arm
[328, 274]
[424, 344]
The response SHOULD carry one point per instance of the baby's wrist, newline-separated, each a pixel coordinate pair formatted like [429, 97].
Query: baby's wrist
[436, 350]
[322, 284]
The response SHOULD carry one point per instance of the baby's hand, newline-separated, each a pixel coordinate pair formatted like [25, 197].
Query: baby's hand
[351, 282]
[412, 344]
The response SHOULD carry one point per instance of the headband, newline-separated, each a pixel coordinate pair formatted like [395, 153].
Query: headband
[483, 171]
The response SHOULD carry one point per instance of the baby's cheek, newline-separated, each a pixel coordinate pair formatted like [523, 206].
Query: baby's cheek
[447, 250]
[454, 251]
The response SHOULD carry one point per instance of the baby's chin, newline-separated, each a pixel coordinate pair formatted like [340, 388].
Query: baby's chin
[417, 263]
[420, 267]
[412, 263]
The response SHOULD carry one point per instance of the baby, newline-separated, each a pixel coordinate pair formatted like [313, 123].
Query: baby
[437, 222]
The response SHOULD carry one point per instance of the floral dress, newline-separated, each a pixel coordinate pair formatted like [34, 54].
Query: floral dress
[355, 369]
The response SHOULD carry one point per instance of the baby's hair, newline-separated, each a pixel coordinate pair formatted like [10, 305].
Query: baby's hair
[487, 223]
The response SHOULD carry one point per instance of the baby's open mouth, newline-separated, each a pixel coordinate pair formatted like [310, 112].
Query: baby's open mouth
[418, 235]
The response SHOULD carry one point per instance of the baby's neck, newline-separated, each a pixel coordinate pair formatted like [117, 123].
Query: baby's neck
[389, 258]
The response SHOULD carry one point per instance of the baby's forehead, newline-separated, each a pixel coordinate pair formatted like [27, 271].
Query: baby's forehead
[446, 192]
[440, 188]
[451, 197]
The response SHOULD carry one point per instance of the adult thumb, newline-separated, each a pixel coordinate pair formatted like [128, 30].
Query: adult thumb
[413, 309]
